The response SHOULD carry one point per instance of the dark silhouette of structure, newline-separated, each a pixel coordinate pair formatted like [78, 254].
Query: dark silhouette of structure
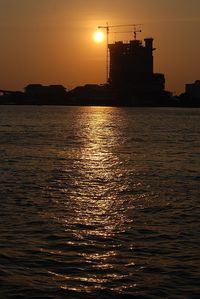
[131, 82]
[46, 94]
[193, 90]
[36, 94]
[131, 73]
[191, 96]
[9, 97]
[6, 92]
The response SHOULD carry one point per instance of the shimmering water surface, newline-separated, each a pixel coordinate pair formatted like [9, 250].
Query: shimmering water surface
[99, 202]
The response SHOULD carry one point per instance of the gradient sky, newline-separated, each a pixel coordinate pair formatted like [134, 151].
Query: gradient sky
[50, 41]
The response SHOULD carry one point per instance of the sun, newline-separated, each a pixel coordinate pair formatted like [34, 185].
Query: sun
[98, 37]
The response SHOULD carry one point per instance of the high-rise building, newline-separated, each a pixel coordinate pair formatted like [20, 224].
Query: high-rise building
[131, 70]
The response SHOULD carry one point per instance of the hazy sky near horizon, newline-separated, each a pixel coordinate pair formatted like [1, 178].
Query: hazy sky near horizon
[50, 41]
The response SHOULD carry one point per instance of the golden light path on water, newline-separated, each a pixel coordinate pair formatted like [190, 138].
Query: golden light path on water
[95, 214]
[101, 203]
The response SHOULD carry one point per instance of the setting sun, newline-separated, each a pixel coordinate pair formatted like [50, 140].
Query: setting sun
[98, 36]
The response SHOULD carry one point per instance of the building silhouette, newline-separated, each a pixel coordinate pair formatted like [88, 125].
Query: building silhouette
[132, 74]
[39, 90]
[51, 94]
[193, 90]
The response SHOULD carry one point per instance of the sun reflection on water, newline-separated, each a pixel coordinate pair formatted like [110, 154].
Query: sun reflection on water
[94, 192]
[95, 212]
[100, 204]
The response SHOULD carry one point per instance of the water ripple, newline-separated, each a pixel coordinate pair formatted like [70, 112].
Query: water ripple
[99, 203]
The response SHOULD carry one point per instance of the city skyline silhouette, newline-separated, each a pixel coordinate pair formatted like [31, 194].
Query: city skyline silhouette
[51, 42]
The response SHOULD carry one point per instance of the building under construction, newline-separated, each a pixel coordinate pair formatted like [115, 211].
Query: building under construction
[131, 73]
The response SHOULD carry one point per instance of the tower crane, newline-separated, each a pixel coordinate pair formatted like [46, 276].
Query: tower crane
[107, 28]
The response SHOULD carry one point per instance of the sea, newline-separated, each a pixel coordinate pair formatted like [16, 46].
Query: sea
[99, 202]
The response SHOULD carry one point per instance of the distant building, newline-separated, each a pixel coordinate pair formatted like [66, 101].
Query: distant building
[39, 90]
[92, 95]
[131, 70]
[46, 95]
[193, 90]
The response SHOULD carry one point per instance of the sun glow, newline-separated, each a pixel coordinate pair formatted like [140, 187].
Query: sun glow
[99, 37]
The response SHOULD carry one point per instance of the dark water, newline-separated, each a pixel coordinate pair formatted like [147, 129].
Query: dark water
[99, 202]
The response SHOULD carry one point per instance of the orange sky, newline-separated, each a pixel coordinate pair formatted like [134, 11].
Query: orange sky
[50, 41]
